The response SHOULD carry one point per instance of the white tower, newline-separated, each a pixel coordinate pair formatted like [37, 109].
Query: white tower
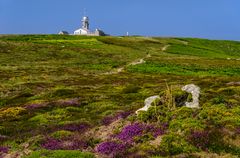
[85, 23]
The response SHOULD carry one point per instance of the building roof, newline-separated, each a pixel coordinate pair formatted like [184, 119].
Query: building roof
[63, 32]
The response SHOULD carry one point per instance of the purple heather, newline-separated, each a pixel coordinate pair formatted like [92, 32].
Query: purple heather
[112, 149]
[200, 139]
[70, 102]
[4, 149]
[109, 119]
[56, 144]
[75, 127]
[131, 131]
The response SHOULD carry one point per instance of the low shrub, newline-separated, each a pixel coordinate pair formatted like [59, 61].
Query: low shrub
[11, 113]
[131, 89]
[155, 114]
[61, 134]
[63, 92]
[59, 154]
[173, 144]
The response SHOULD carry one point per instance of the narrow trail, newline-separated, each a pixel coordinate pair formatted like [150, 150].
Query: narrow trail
[185, 42]
[136, 62]
[165, 47]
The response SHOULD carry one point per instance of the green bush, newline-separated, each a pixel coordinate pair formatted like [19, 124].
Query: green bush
[52, 117]
[155, 114]
[12, 113]
[173, 144]
[220, 115]
[63, 92]
[61, 134]
[59, 154]
[131, 89]
[186, 125]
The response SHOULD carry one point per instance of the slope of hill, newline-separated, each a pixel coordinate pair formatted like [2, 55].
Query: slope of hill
[76, 96]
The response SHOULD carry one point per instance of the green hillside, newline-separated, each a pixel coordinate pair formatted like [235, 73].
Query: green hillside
[76, 96]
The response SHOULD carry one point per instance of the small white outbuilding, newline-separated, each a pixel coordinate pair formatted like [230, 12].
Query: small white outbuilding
[63, 33]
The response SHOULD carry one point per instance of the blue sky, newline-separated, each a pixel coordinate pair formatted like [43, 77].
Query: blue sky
[214, 19]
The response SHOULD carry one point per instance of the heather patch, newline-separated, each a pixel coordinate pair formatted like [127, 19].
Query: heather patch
[64, 144]
[4, 149]
[113, 149]
[51, 144]
[128, 136]
[200, 139]
[35, 106]
[130, 132]
[109, 119]
[75, 127]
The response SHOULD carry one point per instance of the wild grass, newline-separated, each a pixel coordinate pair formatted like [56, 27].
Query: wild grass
[51, 81]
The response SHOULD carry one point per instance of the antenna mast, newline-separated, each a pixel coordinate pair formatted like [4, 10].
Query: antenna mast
[84, 12]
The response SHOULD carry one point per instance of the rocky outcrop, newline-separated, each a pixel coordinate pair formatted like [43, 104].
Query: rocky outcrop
[195, 91]
[149, 102]
[190, 88]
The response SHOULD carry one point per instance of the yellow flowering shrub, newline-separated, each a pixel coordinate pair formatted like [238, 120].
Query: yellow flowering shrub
[11, 113]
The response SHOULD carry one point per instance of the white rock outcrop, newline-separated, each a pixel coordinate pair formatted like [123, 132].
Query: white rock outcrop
[195, 91]
[148, 103]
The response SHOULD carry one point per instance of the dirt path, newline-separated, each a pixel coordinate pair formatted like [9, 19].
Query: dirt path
[165, 48]
[136, 62]
[141, 61]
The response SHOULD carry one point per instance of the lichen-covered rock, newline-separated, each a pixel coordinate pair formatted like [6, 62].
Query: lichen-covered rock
[195, 91]
[148, 103]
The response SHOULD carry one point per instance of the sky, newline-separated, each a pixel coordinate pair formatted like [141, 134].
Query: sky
[213, 19]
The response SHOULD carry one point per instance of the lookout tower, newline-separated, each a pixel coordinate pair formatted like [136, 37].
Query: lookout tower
[85, 30]
[85, 23]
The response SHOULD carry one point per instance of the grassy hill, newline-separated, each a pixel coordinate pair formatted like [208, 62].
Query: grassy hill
[76, 96]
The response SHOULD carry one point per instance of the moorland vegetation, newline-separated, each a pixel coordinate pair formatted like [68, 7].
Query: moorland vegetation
[76, 96]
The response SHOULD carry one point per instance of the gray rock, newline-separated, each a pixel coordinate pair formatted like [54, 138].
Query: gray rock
[149, 102]
[195, 91]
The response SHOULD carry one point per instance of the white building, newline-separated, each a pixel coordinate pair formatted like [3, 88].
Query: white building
[85, 29]
[81, 32]
[63, 33]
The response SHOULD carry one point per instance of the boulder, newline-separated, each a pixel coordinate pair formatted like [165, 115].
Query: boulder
[195, 91]
[149, 102]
